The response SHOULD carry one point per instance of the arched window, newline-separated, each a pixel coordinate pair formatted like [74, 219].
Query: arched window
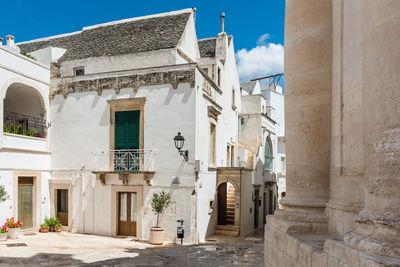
[268, 155]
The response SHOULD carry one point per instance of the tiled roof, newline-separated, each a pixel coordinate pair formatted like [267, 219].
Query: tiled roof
[248, 86]
[125, 37]
[207, 47]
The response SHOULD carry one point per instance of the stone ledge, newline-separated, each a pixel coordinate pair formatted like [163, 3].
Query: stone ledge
[315, 250]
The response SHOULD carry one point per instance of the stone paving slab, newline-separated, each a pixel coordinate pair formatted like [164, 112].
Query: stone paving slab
[66, 249]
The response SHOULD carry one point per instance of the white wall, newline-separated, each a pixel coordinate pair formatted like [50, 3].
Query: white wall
[22, 153]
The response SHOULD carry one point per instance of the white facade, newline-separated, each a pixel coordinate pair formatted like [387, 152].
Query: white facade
[176, 89]
[24, 90]
[262, 143]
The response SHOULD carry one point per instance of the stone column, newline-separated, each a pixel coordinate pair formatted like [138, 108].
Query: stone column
[308, 71]
[378, 224]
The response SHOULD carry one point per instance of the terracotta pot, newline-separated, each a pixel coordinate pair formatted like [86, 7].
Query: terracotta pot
[13, 233]
[58, 228]
[3, 237]
[156, 235]
[44, 229]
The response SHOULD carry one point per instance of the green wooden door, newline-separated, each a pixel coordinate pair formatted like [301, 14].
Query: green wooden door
[127, 141]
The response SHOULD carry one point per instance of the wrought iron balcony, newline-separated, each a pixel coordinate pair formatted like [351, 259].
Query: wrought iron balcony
[16, 123]
[126, 160]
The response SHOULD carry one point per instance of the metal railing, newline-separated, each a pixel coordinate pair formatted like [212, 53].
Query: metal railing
[16, 123]
[124, 160]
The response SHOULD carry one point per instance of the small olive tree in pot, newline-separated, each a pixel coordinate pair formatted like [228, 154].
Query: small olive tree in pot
[159, 202]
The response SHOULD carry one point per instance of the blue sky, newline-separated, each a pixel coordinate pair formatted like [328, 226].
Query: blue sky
[247, 21]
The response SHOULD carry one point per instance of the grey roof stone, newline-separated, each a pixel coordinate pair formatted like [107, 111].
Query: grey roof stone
[143, 35]
[248, 86]
[207, 47]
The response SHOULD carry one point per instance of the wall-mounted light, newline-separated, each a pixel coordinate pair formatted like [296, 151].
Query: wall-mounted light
[179, 141]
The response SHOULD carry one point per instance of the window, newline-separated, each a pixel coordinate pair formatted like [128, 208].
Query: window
[79, 71]
[228, 156]
[213, 72]
[212, 145]
[267, 155]
[219, 76]
[233, 99]
[232, 156]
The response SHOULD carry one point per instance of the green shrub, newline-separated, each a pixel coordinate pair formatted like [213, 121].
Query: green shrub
[5, 130]
[12, 129]
[3, 194]
[20, 129]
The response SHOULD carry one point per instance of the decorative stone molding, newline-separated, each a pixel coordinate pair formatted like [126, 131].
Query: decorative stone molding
[64, 87]
[213, 112]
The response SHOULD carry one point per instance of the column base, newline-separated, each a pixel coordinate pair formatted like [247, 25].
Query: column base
[283, 248]
[376, 234]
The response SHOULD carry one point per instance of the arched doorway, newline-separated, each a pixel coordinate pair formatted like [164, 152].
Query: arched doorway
[226, 204]
[24, 111]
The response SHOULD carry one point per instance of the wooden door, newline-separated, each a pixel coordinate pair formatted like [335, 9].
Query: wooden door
[256, 207]
[62, 206]
[25, 201]
[127, 216]
[222, 189]
[270, 202]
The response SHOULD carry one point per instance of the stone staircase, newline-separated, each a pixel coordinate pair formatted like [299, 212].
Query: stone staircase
[230, 230]
[230, 206]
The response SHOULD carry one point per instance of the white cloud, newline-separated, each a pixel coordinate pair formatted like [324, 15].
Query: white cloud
[261, 60]
[262, 39]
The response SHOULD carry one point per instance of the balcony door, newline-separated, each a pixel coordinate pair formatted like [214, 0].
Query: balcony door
[127, 206]
[127, 141]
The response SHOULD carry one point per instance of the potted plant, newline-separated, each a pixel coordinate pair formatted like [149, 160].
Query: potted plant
[3, 232]
[58, 225]
[44, 228]
[159, 202]
[50, 223]
[13, 228]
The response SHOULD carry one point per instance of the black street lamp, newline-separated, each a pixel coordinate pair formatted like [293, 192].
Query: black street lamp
[179, 141]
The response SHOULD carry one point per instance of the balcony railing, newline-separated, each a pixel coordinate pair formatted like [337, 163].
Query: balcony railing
[126, 160]
[16, 123]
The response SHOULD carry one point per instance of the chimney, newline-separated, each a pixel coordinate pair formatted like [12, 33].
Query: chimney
[222, 16]
[10, 41]
[1, 42]
[194, 12]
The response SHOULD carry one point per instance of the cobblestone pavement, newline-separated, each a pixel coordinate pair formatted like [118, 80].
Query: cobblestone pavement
[65, 249]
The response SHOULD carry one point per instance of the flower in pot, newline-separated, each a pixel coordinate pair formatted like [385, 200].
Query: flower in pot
[44, 228]
[159, 202]
[3, 232]
[13, 228]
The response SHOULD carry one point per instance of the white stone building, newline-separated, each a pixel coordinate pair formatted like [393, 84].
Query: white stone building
[112, 97]
[24, 160]
[261, 140]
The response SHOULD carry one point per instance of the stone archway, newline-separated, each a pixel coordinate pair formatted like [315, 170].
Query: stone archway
[226, 204]
[24, 110]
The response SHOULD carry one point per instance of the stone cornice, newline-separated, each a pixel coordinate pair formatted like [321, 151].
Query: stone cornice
[117, 81]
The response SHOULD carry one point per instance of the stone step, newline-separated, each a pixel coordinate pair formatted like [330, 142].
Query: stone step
[225, 232]
[227, 227]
